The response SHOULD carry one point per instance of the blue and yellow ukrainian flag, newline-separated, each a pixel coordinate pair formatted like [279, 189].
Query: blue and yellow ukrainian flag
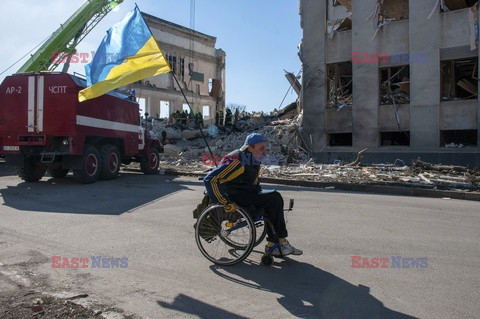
[127, 54]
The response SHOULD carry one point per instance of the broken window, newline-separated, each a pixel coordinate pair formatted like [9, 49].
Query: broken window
[395, 85]
[459, 79]
[340, 139]
[393, 10]
[401, 138]
[452, 5]
[458, 138]
[172, 60]
[339, 16]
[182, 68]
[339, 85]
[387, 11]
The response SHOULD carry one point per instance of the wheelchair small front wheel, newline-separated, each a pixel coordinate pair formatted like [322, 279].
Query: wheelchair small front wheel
[267, 260]
[216, 230]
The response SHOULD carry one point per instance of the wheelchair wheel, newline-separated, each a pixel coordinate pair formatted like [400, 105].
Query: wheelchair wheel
[225, 238]
[260, 231]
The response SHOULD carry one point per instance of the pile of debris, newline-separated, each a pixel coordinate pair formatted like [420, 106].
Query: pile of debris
[419, 174]
[186, 146]
[187, 153]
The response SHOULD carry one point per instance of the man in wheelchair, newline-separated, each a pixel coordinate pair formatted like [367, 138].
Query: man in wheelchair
[235, 182]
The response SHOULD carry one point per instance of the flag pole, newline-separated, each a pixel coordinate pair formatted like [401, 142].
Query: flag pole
[181, 90]
[194, 118]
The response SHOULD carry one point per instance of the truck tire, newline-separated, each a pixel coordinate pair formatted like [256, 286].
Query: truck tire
[31, 172]
[58, 172]
[110, 161]
[149, 164]
[90, 170]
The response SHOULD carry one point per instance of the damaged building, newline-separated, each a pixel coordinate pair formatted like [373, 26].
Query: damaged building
[197, 65]
[398, 77]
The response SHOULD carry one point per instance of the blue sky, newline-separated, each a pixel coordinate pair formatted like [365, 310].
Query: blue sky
[260, 38]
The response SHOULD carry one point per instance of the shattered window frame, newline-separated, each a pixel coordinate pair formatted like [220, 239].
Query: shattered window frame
[457, 80]
[182, 68]
[386, 15]
[172, 61]
[340, 85]
[337, 20]
[397, 84]
[455, 5]
[458, 138]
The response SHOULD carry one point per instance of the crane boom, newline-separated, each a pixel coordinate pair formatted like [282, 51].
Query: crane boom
[68, 35]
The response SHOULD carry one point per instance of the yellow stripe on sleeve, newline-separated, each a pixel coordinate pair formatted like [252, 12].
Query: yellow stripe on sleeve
[222, 174]
[232, 176]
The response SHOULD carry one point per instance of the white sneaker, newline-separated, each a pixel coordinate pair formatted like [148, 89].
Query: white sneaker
[288, 249]
[275, 251]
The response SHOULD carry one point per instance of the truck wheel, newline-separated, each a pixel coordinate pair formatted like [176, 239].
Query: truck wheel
[90, 166]
[58, 172]
[31, 172]
[149, 164]
[110, 162]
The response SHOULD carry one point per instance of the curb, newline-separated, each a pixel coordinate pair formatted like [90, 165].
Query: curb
[405, 190]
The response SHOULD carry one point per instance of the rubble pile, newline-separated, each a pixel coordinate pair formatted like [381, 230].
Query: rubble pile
[419, 174]
[186, 147]
[186, 152]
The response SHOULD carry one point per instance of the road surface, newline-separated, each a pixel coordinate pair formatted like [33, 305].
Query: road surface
[146, 223]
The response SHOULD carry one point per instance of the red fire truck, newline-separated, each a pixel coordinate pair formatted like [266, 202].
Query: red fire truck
[44, 127]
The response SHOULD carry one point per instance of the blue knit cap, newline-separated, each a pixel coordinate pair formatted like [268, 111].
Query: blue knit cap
[252, 139]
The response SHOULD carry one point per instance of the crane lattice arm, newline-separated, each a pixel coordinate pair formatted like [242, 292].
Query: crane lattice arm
[66, 38]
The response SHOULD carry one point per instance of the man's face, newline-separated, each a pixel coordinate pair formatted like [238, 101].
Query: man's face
[258, 150]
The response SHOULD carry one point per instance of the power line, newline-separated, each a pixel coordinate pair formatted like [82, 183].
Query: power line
[25, 55]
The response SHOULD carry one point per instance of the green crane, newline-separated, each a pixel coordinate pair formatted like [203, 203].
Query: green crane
[67, 37]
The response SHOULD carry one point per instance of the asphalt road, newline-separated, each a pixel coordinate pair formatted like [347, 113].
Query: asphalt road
[148, 220]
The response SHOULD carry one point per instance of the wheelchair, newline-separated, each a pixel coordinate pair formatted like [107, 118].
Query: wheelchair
[228, 238]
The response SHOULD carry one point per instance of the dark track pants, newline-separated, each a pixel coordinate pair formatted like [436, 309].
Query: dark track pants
[273, 205]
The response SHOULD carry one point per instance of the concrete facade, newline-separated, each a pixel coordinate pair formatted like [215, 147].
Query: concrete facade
[429, 125]
[198, 66]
